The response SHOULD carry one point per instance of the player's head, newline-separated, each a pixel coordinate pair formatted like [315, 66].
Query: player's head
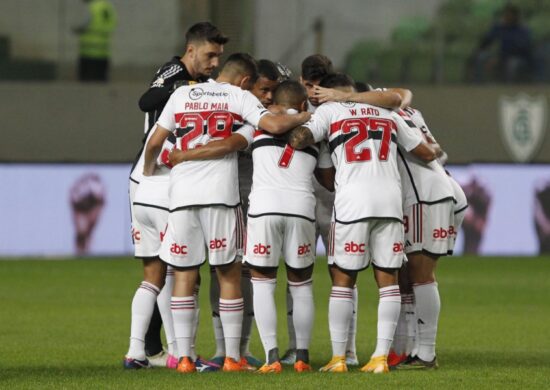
[291, 94]
[361, 86]
[314, 68]
[268, 79]
[340, 81]
[203, 48]
[240, 69]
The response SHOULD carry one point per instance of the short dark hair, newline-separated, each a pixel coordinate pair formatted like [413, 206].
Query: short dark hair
[205, 31]
[290, 92]
[334, 80]
[361, 86]
[243, 64]
[268, 69]
[316, 66]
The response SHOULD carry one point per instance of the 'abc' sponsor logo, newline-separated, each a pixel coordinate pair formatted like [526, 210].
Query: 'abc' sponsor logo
[176, 249]
[442, 233]
[136, 235]
[353, 248]
[304, 249]
[218, 243]
[260, 249]
[398, 247]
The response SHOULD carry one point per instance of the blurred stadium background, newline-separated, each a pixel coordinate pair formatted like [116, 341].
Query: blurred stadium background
[67, 146]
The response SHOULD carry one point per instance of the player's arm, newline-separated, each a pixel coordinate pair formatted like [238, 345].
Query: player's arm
[281, 123]
[387, 99]
[212, 150]
[325, 177]
[153, 149]
[405, 94]
[426, 152]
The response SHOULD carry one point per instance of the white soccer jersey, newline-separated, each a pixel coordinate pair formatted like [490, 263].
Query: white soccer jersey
[363, 144]
[282, 177]
[422, 182]
[198, 114]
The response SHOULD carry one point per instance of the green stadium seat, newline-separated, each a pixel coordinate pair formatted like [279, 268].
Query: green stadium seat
[361, 62]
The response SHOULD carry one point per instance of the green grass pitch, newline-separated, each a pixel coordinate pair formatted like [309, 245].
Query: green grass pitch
[65, 324]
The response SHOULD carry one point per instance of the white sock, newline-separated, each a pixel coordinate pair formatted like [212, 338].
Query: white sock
[163, 301]
[231, 315]
[340, 310]
[143, 305]
[400, 339]
[266, 312]
[216, 322]
[248, 316]
[196, 322]
[290, 319]
[389, 307]
[428, 306]
[304, 311]
[350, 347]
[183, 315]
[408, 306]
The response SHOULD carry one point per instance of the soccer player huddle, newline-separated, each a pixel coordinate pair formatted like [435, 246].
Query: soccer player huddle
[253, 166]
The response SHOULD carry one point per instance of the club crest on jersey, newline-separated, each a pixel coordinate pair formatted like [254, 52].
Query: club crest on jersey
[522, 125]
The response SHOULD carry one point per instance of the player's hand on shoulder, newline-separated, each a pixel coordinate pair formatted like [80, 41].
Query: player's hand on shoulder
[329, 94]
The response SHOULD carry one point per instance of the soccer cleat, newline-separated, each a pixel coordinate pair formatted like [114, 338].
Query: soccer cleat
[158, 360]
[415, 363]
[301, 366]
[251, 360]
[351, 359]
[186, 365]
[273, 368]
[218, 360]
[245, 366]
[172, 362]
[289, 357]
[231, 364]
[203, 365]
[135, 364]
[395, 359]
[377, 365]
[336, 364]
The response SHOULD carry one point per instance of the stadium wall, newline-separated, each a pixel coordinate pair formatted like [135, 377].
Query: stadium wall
[72, 122]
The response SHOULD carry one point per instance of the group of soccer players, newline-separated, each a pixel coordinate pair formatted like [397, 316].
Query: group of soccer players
[316, 156]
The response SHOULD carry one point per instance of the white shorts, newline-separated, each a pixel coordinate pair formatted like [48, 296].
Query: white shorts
[192, 230]
[354, 246]
[132, 188]
[323, 210]
[269, 235]
[430, 228]
[151, 215]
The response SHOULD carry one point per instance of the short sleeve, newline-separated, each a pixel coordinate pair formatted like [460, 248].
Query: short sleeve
[319, 124]
[167, 118]
[252, 109]
[247, 131]
[324, 160]
[407, 137]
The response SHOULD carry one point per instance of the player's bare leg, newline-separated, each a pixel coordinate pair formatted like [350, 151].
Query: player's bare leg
[231, 312]
[154, 273]
[389, 307]
[428, 305]
[184, 312]
[340, 312]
